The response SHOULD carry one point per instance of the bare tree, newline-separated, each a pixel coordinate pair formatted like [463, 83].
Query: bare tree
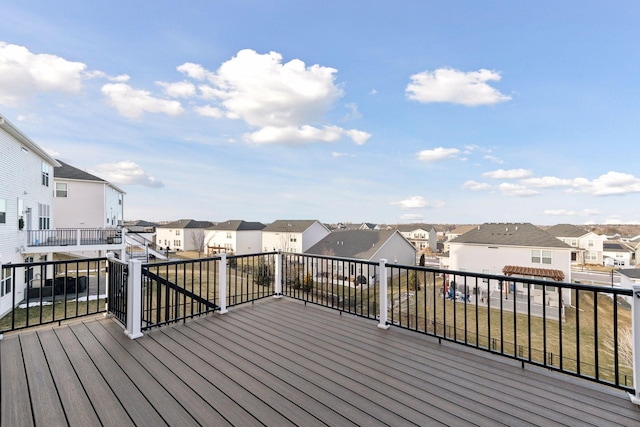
[197, 240]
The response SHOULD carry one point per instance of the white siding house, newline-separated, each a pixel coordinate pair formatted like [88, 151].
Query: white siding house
[83, 200]
[422, 236]
[26, 202]
[182, 235]
[292, 235]
[586, 246]
[365, 245]
[235, 236]
[517, 249]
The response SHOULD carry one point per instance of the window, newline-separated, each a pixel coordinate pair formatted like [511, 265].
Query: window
[540, 257]
[176, 243]
[5, 282]
[20, 213]
[590, 243]
[120, 199]
[44, 216]
[293, 239]
[61, 189]
[177, 232]
[229, 235]
[45, 174]
[3, 211]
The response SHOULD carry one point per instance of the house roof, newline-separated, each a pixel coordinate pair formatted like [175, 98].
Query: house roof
[66, 171]
[510, 234]
[139, 223]
[556, 275]
[632, 273]
[187, 223]
[566, 230]
[12, 130]
[237, 225]
[360, 244]
[616, 246]
[462, 229]
[406, 228]
[290, 226]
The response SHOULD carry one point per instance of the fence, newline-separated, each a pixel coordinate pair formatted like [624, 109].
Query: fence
[585, 331]
[39, 293]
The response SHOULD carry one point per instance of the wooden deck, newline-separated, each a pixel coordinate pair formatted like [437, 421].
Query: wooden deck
[281, 363]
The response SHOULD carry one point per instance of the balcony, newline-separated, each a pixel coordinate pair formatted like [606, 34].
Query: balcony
[72, 240]
[302, 343]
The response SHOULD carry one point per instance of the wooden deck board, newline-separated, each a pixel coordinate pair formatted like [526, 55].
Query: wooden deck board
[440, 373]
[106, 404]
[45, 402]
[15, 405]
[139, 409]
[74, 400]
[279, 363]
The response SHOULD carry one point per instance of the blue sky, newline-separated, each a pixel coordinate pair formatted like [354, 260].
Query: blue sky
[349, 111]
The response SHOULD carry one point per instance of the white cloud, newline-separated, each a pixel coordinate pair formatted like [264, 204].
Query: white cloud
[133, 103]
[353, 113]
[294, 135]
[516, 190]
[476, 186]
[178, 89]
[23, 74]
[611, 183]
[508, 174]
[414, 202]
[286, 102]
[209, 111]
[358, 136]
[436, 154]
[493, 159]
[337, 154]
[418, 202]
[454, 86]
[567, 212]
[126, 173]
[547, 182]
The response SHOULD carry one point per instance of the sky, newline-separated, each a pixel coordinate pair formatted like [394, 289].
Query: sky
[457, 112]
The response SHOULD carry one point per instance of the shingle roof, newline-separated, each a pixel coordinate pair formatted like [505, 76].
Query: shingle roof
[566, 230]
[69, 172]
[289, 226]
[406, 228]
[632, 273]
[360, 244]
[237, 225]
[187, 223]
[510, 234]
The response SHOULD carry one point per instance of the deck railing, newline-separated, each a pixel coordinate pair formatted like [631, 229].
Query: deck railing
[74, 237]
[47, 292]
[580, 330]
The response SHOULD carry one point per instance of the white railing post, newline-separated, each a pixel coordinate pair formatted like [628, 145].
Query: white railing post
[277, 284]
[134, 300]
[635, 331]
[222, 283]
[78, 242]
[382, 324]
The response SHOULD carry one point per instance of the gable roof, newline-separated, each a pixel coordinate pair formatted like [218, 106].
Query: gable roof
[360, 244]
[566, 230]
[290, 226]
[66, 171]
[139, 223]
[237, 225]
[616, 246]
[407, 228]
[187, 223]
[510, 234]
